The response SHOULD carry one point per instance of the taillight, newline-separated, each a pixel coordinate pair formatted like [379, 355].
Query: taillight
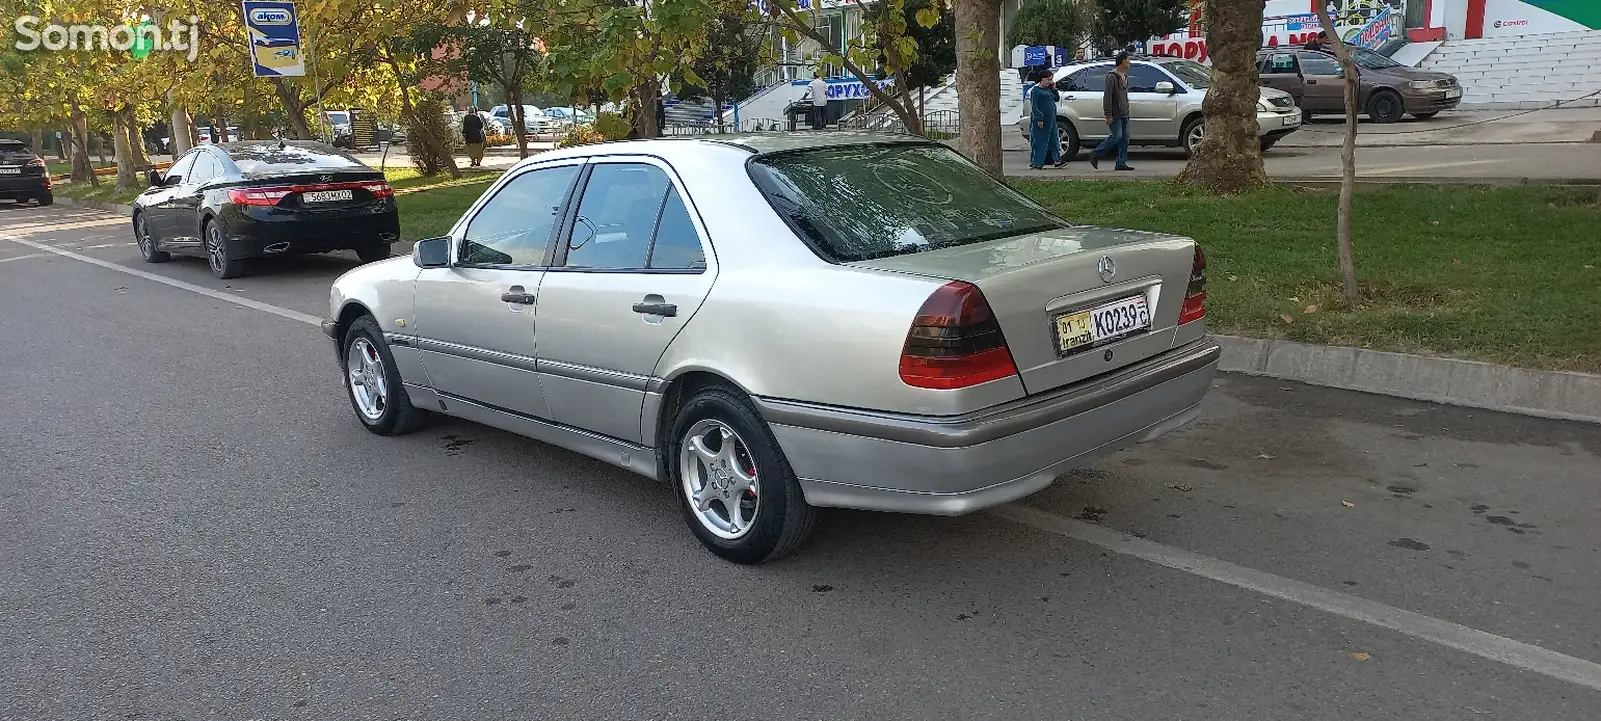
[379, 190]
[955, 341]
[36, 162]
[1195, 296]
[258, 196]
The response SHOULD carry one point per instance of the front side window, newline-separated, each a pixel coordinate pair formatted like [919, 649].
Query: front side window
[861, 202]
[1193, 74]
[1319, 64]
[182, 168]
[1371, 60]
[1143, 78]
[1088, 80]
[514, 226]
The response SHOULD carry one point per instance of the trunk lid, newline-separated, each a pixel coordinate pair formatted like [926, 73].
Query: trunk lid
[1032, 280]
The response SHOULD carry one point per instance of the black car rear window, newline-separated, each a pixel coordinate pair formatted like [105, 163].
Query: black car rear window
[269, 159]
[13, 153]
[860, 202]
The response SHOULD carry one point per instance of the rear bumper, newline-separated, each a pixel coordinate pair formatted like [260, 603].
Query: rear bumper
[954, 465]
[15, 186]
[256, 231]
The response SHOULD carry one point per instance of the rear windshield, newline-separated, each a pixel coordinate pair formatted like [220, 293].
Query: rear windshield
[15, 153]
[861, 202]
[269, 159]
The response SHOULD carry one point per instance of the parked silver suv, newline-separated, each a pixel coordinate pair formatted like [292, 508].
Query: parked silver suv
[1165, 97]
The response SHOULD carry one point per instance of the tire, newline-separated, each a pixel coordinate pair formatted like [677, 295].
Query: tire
[1425, 116]
[377, 396]
[373, 252]
[46, 198]
[1068, 135]
[1191, 136]
[1385, 107]
[1268, 143]
[223, 264]
[149, 247]
[778, 518]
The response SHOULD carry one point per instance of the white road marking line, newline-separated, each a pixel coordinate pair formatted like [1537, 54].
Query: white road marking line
[1451, 635]
[191, 287]
[24, 257]
[1445, 633]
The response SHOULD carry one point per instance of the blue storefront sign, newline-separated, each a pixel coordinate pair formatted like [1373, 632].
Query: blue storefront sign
[274, 29]
[848, 88]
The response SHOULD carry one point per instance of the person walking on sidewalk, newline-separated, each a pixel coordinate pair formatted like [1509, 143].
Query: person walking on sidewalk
[1115, 105]
[819, 88]
[1045, 144]
[472, 133]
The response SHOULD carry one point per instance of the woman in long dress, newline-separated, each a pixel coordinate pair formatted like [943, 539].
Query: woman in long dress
[1045, 146]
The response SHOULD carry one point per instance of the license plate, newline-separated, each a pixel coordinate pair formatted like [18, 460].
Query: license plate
[10, 171]
[1453, 93]
[1083, 329]
[325, 196]
[1291, 121]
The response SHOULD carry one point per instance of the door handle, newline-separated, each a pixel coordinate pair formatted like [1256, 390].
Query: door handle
[515, 294]
[1070, 98]
[662, 309]
[1311, 82]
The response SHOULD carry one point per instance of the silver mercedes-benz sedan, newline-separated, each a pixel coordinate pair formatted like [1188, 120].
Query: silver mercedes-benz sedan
[774, 323]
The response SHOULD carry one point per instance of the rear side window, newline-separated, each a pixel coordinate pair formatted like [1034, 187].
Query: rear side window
[861, 202]
[269, 159]
[632, 218]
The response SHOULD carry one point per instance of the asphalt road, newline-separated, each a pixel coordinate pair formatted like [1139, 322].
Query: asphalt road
[194, 527]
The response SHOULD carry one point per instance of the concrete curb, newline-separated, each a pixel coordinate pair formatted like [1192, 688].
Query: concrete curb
[124, 210]
[1544, 394]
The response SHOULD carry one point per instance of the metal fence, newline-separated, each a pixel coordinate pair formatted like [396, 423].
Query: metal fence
[939, 124]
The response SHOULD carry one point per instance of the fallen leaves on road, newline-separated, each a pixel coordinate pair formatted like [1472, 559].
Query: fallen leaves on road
[1181, 487]
[1286, 317]
[1360, 656]
[1348, 504]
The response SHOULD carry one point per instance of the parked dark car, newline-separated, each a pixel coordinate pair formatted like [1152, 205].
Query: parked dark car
[234, 202]
[1386, 89]
[23, 176]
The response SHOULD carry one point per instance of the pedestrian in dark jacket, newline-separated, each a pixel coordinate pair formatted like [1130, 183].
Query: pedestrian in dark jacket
[472, 133]
[1115, 105]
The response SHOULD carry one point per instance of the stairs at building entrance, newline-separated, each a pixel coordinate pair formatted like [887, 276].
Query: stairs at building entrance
[1523, 72]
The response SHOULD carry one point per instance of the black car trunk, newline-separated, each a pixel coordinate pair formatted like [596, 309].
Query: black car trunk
[324, 191]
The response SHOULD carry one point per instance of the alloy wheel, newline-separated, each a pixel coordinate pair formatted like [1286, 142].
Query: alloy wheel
[141, 234]
[1192, 142]
[368, 385]
[215, 253]
[719, 479]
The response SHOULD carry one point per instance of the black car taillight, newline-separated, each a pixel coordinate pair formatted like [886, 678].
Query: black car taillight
[1195, 295]
[955, 341]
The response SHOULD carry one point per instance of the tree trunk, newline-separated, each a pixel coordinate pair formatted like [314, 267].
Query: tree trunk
[293, 107]
[82, 169]
[100, 147]
[177, 130]
[643, 101]
[120, 151]
[1347, 161]
[1229, 159]
[136, 139]
[37, 141]
[63, 142]
[519, 129]
[905, 114]
[978, 105]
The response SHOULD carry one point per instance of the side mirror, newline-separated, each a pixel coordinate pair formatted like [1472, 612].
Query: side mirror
[431, 253]
[172, 180]
[1166, 87]
[153, 178]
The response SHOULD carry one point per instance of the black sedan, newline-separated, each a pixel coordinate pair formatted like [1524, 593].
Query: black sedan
[23, 176]
[234, 202]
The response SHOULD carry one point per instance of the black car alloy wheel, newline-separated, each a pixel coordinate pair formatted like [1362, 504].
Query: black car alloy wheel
[147, 242]
[222, 265]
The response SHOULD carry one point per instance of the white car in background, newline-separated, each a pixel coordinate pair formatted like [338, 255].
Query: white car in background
[535, 121]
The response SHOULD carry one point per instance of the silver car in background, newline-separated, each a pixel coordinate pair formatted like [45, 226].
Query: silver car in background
[1165, 97]
[774, 323]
